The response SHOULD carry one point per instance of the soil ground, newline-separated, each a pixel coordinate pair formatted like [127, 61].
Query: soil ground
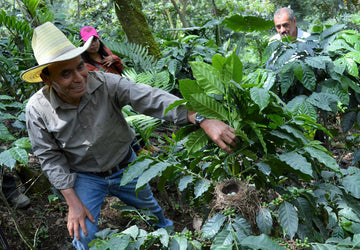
[44, 222]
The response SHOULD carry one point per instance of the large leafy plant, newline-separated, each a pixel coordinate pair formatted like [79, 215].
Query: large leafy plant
[275, 153]
[318, 73]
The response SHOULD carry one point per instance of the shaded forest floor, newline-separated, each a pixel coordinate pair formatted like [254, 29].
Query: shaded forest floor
[44, 221]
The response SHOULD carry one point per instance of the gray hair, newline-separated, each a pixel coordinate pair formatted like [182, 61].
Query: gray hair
[283, 11]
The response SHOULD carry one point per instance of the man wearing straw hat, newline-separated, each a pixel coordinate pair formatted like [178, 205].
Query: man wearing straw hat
[80, 136]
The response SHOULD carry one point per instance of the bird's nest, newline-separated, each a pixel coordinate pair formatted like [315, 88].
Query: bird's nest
[240, 196]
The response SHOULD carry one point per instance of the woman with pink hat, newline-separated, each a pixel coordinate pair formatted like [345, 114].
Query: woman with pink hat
[98, 56]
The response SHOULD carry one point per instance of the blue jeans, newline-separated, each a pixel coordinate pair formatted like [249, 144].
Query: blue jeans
[92, 190]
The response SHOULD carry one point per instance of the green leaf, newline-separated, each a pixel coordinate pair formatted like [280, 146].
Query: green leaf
[297, 133]
[309, 78]
[287, 80]
[285, 58]
[164, 236]
[242, 227]
[247, 23]
[135, 170]
[20, 155]
[260, 96]
[260, 136]
[133, 231]
[208, 107]
[352, 67]
[188, 87]
[213, 225]
[339, 44]
[264, 220]
[323, 100]
[270, 80]
[349, 214]
[282, 135]
[340, 65]
[297, 162]
[288, 218]
[218, 62]
[196, 141]
[264, 168]
[298, 71]
[5, 134]
[305, 209]
[172, 65]
[318, 62]
[178, 242]
[348, 121]
[332, 30]
[7, 160]
[354, 55]
[323, 158]
[174, 104]
[150, 173]
[277, 119]
[232, 69]
[23, 142]
[306, 108]
[184, 182]
[201, 186]
[118, 242]
[318, 246]
[223, 240]
[107, 232]
[351, 184]
[207, 77]
[262, 241]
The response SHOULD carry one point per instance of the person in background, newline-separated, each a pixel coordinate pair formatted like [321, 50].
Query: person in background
[98, 57]
[285, 25]
[81, 137]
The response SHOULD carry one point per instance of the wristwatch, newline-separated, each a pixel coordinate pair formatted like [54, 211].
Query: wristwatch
[198, 119]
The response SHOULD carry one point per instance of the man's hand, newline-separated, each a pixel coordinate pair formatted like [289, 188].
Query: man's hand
[222, 134]
[77, 213]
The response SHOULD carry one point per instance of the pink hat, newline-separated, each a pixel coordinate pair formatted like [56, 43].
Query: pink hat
[88, 32]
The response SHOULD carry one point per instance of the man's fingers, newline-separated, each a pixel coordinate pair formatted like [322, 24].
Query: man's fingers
[83, 227]
[89, 215]
[70, 229]
[76, 230]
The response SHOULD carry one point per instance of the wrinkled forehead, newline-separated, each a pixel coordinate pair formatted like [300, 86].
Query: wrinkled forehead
[281, 19]
[70, 64]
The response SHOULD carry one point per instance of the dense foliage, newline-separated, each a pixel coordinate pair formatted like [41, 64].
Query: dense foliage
[277, 96]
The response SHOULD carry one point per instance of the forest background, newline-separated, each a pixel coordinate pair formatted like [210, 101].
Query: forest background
[293, 105]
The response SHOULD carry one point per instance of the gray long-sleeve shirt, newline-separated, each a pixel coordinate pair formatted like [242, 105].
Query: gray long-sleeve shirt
[94, 136]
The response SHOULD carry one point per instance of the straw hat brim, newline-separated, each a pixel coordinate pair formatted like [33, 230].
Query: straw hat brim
[32, 75]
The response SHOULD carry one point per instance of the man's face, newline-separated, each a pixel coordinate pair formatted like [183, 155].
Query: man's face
[285, 26]
[68, 79]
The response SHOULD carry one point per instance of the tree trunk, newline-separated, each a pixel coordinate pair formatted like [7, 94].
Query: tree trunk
[133, 21]
[181, 13]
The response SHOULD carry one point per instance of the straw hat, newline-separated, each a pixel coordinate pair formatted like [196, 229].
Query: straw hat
[50, 45]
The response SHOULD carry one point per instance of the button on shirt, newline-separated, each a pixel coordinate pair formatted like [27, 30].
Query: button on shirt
[94, 136]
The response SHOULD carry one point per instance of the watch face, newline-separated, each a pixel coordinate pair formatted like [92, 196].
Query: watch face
[198, 119]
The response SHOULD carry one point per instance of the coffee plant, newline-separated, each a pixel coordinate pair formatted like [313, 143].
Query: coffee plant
[303, 194]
